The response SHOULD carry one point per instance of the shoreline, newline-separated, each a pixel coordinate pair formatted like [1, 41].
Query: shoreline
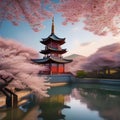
[24, 93]
[98, 81]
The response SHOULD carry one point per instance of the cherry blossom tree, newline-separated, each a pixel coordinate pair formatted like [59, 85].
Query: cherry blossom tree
[99, 16]
[104, 59]
[32, 11]
[17, 68]
[107, 56]
[75, 65]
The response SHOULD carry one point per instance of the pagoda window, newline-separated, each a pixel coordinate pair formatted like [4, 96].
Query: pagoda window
[53, 45]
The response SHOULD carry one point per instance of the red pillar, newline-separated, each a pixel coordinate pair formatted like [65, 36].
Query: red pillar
[57, 68]
[63, 68]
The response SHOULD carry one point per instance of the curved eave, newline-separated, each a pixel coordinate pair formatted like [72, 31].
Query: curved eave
[53, 37]
[51, 60]
[48, 38]
[69, 60]
[40, 61]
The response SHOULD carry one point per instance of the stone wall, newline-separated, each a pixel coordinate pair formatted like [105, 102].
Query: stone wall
[60, 78]
[98, 81]
[69, 78]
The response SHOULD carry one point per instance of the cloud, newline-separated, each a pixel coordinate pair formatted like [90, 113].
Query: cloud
[89, 48]
[85, 44]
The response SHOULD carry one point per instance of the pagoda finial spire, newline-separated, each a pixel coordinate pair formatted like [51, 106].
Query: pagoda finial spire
[52, 29]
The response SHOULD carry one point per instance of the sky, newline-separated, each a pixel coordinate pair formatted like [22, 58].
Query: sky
[78, 40]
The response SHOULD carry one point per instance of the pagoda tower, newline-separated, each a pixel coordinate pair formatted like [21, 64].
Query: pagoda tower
[53, 53]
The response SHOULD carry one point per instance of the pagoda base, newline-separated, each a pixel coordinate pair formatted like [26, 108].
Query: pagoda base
[60, 78]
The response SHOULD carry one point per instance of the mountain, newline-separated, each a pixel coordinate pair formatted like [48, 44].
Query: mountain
[76, 64]
[73, 56]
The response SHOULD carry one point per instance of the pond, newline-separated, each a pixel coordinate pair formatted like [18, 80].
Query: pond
[70, 102]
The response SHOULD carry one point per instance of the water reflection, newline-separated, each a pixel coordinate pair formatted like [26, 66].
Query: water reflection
[51, 108]
[82, 102]
[21, 112]
[72, 102]
[106, 102]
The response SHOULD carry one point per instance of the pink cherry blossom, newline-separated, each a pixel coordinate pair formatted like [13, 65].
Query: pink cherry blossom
[15, 62]
[75, 65]
[108, 56]
[32, 11]
[99, 16]
[105, 57]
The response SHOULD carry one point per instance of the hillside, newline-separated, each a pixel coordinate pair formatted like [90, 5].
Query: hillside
[73, 56]
[76, 64]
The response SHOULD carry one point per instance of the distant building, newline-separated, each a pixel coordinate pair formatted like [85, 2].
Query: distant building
[53, 54]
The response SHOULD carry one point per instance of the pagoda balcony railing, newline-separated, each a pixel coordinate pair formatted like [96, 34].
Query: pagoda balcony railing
[53, 47]
[54, 57]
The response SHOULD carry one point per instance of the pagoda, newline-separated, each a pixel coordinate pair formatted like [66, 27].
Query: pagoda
[53, 53]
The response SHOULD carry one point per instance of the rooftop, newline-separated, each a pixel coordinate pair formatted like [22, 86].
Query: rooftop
[51, 59]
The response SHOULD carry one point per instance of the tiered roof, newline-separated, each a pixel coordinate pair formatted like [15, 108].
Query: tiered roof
[52, 38]
[53, 50]
[52, 60]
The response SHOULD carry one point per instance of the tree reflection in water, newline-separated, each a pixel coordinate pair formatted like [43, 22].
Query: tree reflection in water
[72, 102]
[106, 102]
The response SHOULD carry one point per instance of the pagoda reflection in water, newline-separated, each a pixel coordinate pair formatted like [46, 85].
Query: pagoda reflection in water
[51, 108]
[75, 102]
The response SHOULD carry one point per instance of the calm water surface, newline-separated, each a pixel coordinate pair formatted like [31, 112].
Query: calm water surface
[71, 102]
